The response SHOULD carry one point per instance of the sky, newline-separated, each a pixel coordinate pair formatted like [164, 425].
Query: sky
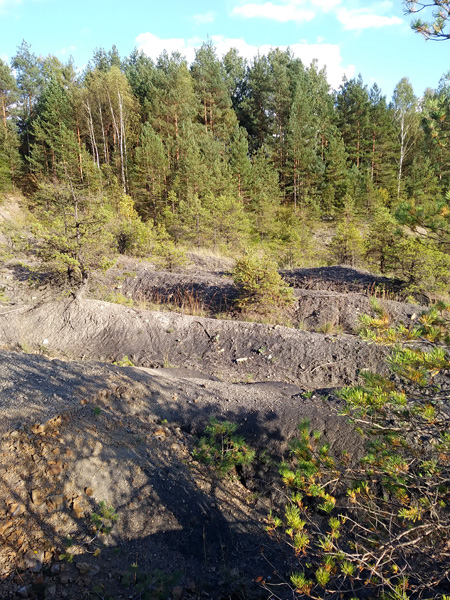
[349, 37]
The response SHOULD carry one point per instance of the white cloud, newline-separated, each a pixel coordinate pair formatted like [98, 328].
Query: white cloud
[301, 11]
[153, 46]
[7, 5]
[327, 55]
[275, 12]
[208, 17]
[363, 18]
[326, 4]
[65, 51]
[323, 4]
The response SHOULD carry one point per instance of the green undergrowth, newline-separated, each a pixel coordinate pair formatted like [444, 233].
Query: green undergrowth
[222, 449]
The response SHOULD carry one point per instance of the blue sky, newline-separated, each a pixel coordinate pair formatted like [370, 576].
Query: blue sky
[348, 36]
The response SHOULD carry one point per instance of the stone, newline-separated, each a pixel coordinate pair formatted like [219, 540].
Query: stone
[54, 469]
[88, 569]
[38, 428]
[15, 510]
[33, 560]
[4, 526]
[177, 592]
[159, 434]
[55, 501]
[23, 590]
[50, 591]
[37, 497]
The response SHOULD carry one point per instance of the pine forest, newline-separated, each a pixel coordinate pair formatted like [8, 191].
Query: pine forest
[132, 156]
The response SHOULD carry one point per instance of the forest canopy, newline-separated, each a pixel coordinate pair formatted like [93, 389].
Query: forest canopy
[131, 155]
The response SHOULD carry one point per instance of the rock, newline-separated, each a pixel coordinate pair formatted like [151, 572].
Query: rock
[4, 526]
[55, 568]
[38, 429]
[50, 591]
[23, 590]
[89, 491]
[37, 497]
[33, 560]
[159, 434]
[87, 569]
[54, 469]
[15, 510]
[177, 592]
[55, 502]
[78, 507]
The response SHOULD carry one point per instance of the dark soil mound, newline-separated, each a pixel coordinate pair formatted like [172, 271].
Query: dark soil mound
[213, 290]
[230, 350]
[331, 311]
[324, 297]
[342, 279]
[120, 435]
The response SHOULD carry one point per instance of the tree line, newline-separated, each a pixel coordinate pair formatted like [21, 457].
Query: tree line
[221, 152]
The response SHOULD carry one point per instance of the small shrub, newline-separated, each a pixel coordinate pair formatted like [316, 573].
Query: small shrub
[222, 449]
[125, 362]
[168, 256]
[103, 520]
[119, 298]
[260, 287]
[330, 328]
[150, 586]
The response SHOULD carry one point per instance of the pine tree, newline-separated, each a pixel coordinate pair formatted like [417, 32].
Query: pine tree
[29, 82]
[236, 79]
[54, 150]
[353, 116]
[10, 164]
[383, 240]
[336, 173]
[383, 144]
[265, 195]
[436, 124]
[255, 106]
[280, 100]
[140, 72]
[150, 172]
[240, 163]
[347, 244]
[209, 77]
[172, 105]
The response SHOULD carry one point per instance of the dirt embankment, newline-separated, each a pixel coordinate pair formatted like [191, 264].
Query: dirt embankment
[75, 434]
[329, 299]
[232, 350]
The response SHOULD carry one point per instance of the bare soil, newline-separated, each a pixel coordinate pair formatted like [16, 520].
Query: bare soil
[77, 430]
